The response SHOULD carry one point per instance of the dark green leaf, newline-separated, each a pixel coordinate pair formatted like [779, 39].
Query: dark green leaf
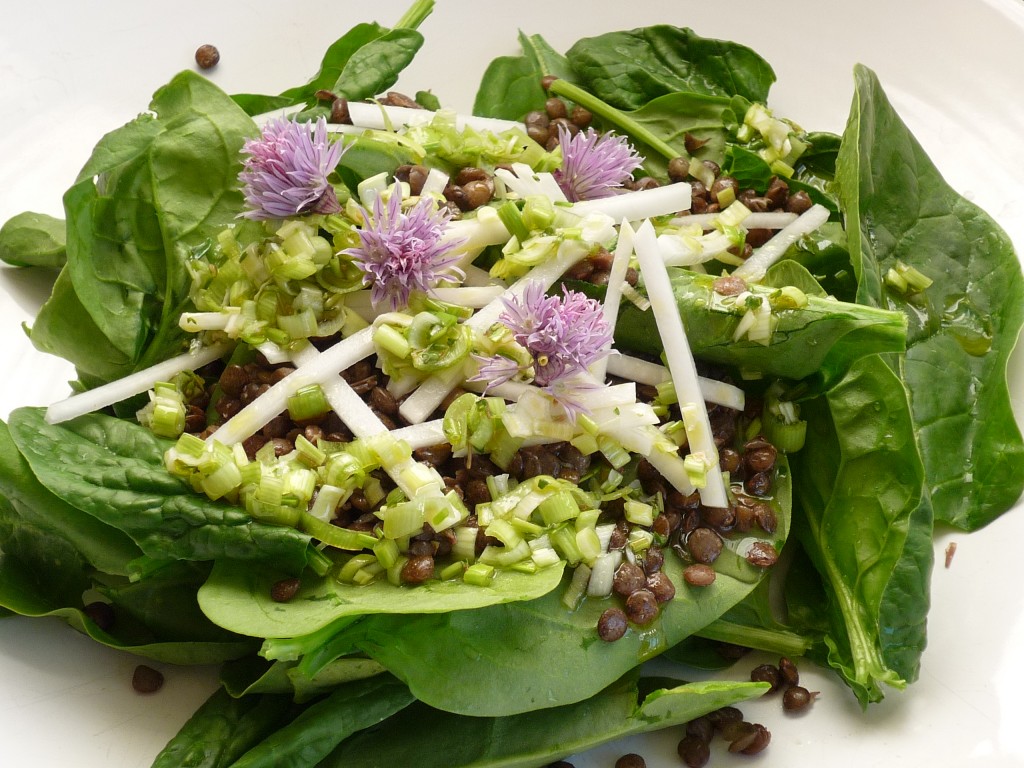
[113, 470]
[223, 729]
[321, 726]
[511, 85]
[964, 325]
[33, 240]
[630, 68]
[520, 656]
[534, 738]
[858, 483]
[238, 597]
[375, 66]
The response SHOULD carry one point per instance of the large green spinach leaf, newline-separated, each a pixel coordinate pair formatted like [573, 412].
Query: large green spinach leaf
[521, 656]
[627, 69]
[237, 597]
[857, 485]
[324, 724]
[511, 85]
[534, 738]
[113, 470]
[962, 328]
[33, 240]
[223, 729]
[821, 339]
[151, 192]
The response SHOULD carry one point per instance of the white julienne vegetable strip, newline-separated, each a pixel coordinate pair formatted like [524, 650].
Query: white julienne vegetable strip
[680, 362]
[646, 372]
[613, 293]
[525, 182]
[133, 384]
[640, 204]
[754, 220]
[382, 118]
[260, 411]
[424, 400]
[754, 268]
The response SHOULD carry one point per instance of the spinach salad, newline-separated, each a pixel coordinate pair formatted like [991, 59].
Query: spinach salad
[380, 406]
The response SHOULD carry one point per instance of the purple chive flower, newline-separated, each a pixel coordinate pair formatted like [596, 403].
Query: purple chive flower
[563, 334]
[287, 168]
[404, 252]
[594, 164]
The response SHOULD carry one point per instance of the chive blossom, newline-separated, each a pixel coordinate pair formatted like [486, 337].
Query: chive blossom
[594, 164]
[401, 252]
[287, 169]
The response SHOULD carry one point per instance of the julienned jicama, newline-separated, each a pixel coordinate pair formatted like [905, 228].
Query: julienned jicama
[423, 390]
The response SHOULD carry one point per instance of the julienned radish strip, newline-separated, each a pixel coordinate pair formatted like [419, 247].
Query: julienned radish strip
[754, 268]
[680, 362]
[421, 403]
[646, 372]
[384, 118]
[260, 411]
[639, 205]
[613, 293]
[133, 384]
[754, 220]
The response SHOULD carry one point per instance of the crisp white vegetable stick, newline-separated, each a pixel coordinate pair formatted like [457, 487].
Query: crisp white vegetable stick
[646, 372]
[754, 220]
[132, 384]
[382, 118]
[320, 370]
[613, 293]
[680, 360]
[638, 205]
[754, 268]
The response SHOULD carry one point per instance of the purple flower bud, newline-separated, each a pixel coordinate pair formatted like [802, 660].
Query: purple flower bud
[404, 252]
[594, 164]
[563, 334]
[287, 168]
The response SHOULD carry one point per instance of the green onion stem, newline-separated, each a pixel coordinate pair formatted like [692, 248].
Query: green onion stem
[616, 117]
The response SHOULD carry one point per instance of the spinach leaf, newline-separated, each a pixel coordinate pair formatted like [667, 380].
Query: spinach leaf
[321, 726]
[510, 87]
[822, 338]
[99, 546]
[857, 484]
[237, 597]
[360, 64]
[532, 738]
[151, 192]
[521, 656]
[223, 729]
[33, 240]
[41, 576]
[252, 675]
[627, 69]
[113, 470]
[962, 328]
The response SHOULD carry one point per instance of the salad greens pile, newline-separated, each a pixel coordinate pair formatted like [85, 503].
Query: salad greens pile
[885, 339]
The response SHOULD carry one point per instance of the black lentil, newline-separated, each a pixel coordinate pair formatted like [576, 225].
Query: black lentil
[102, 614]
[699, 575]
[642, 607]
[797, 698]
[631, 760]
[207, 56]
[145, 679]
[284, 590]
[612, 624]
[693, 751]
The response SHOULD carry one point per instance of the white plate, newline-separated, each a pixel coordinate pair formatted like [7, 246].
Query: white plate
[71, 71]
